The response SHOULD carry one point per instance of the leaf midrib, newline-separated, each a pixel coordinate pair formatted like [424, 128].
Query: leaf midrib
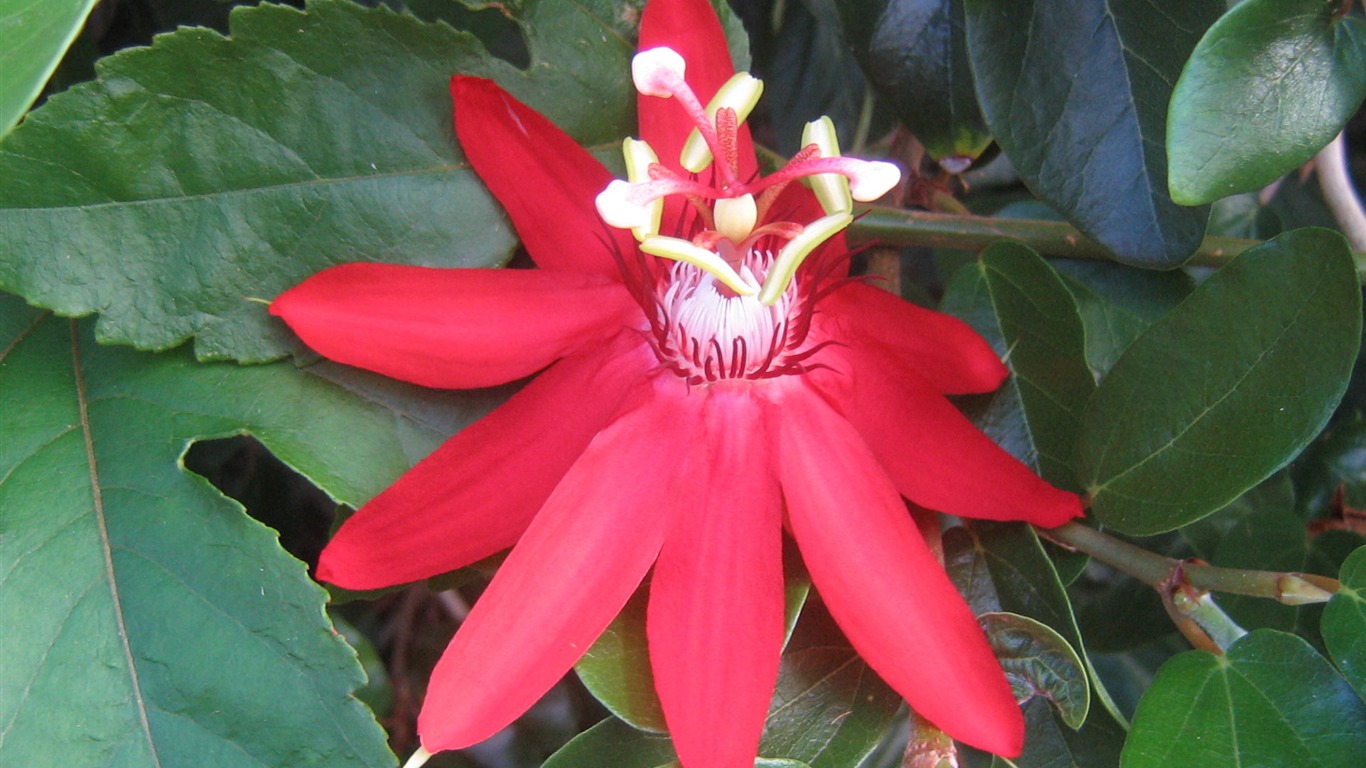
[97, 506]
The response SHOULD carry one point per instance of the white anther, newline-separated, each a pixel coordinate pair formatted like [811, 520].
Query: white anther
[873, 179]
[616, 207]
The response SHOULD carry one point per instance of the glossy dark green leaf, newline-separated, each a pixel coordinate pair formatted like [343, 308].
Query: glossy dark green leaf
[1002, 566]
[915, 53]
[1076, 93]
[829, 710]
[1117, 304]
[1021, 307]
[1051, 744]
[1039, 662]
[1226, 388]
[1344, 622]
[204, 171]
[1337, 459]
[811, 73]
[613, 742]
[1267, 87]
[1271, 701]
[36, 34]
[161, 626]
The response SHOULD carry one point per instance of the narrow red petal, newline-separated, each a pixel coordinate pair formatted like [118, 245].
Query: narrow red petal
[476, 494]
[691, 28]
[935, 455]
[882, 584]
[572, 571]
[545, 180]
[716, 598]
[942, 349]
[452, 328]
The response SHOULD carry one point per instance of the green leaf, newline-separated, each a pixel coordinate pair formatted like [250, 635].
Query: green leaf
[1344, 622]
[1268, 86]
[1272, 701]
[161, 626]
[807, 41]
[613, 742]
[1021, 307]
[1076, 94]
[1226, 388]
[1006, 569]
[829, 710]
[1039, 662]
[36, 36]
[1117, 304]
[204, 170]
[915, 53]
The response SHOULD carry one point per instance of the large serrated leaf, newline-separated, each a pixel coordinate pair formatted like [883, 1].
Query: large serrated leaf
[1267, 87]
[36, 35]
[1226, 388]
[1076, 93]
[203, 171]
[1272, 701]
[161, 626]
[1023, 309]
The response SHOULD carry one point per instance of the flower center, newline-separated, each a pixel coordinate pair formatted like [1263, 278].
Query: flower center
[733, 305]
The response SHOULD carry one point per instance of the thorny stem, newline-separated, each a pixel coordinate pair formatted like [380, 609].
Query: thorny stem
[892, 226]
[1338, 193]
[1156, 570]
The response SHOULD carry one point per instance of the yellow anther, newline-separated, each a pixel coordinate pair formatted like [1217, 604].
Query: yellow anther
[740, 93]
[795, 252]
[710, 262]
[832, 189]
[639, 157]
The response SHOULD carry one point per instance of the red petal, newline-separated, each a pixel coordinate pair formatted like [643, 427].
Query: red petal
[544, 179]
[943, 350]
[882, 585]
[936, 457]
[691, 28]
[452, 328]
[477, 493]
[716, 598]
[572, 571]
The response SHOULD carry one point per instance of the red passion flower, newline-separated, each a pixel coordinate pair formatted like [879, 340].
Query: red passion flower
[709, 377]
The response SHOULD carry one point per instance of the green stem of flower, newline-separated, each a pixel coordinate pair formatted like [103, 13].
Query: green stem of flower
[891, 226]
[1155, 570]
